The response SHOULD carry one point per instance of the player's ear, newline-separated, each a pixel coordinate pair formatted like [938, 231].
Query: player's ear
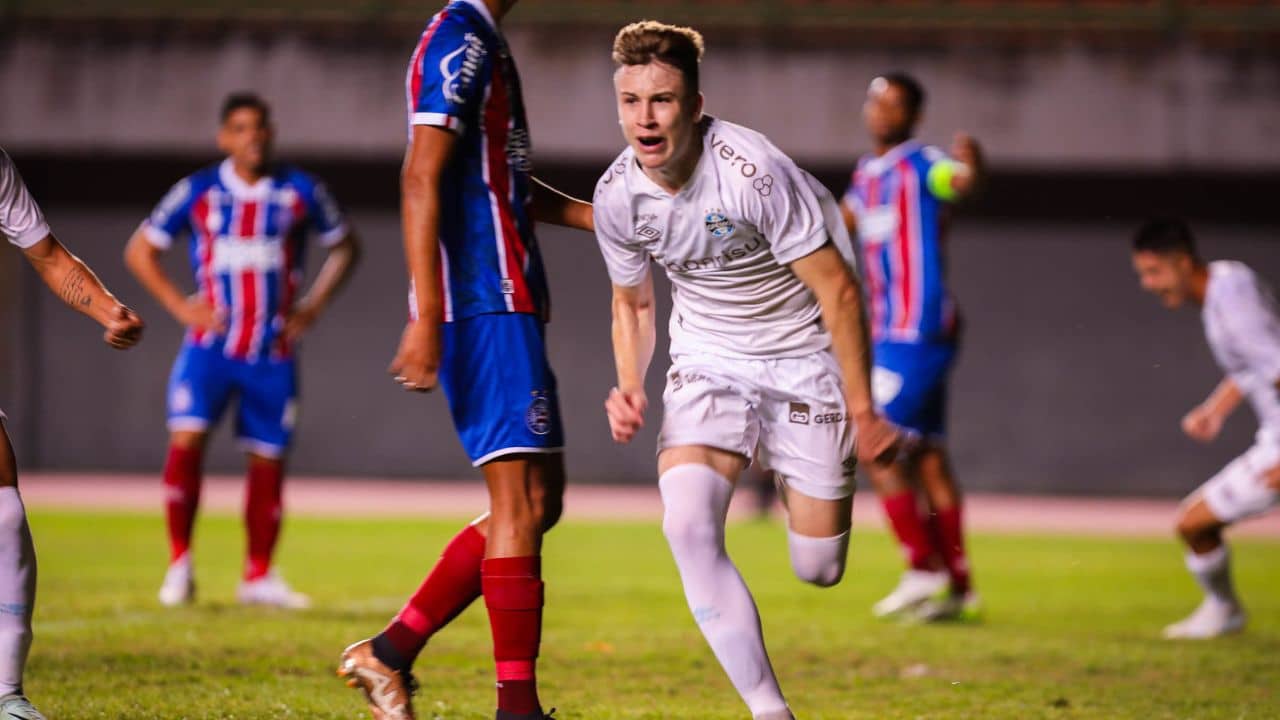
[697, 107]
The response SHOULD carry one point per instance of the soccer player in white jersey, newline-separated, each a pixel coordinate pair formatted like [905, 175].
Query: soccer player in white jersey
[22, 223]
[1242, 325]
[768, 343]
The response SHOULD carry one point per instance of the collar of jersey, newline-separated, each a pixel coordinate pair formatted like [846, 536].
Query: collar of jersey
[694, 179]
[240, 188]
[483, 9]
[877, 165]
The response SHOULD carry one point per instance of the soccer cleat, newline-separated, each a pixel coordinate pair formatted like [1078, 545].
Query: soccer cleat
[915, 587]
[949, 607]
[179, 586]
[388, 691]
[272, 590]
[18, 707]
[1213, 618]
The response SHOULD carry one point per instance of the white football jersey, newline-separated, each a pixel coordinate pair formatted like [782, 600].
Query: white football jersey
[1242, 324]
[726, 240]
[20, 218]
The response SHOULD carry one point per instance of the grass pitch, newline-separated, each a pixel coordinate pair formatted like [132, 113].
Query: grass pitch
[1070, 629]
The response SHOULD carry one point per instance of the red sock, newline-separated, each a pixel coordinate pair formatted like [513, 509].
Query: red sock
[904, 516]
[513, 593]
[181, 497]
[452, 585]
[950, 527]
[263, 508]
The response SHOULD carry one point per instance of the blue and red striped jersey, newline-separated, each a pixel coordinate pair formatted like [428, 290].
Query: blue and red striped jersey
[462, 78]
[247, 249]
[902, 228]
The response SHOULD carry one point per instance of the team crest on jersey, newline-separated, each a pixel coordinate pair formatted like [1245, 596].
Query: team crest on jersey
[719, 224]
[538, 416]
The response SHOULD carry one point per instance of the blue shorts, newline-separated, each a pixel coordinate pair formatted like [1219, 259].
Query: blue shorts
[501, 391]
[204, 381]
[909, 383]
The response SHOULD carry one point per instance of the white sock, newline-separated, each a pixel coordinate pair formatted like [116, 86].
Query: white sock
[17, 589]
[818, 560]
[1212, 570]
[696, 501]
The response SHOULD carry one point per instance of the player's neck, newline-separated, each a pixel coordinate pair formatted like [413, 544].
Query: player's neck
[251, 175]
[676, 174]
[1199, 283]
[883, 147]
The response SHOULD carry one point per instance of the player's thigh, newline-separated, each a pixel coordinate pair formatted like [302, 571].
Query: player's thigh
[708, 415]
[500, 387]
[268, 412]
[817, 517]
[806, 436]
[200, 385]
[8, 460]
[1240, 490]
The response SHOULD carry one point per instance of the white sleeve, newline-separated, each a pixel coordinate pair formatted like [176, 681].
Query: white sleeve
[1254, 321]
[783, 207]
[20, 218]
[626, 260]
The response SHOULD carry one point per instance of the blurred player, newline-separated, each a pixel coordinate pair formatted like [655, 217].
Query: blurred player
[23, 225]
[248, 219]
[478, 305]
[768, 345]
[1242, 325]
[898, 203]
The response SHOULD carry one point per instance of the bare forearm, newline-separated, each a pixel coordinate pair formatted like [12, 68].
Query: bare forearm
[1224, 399]
[851, 345]
[552, 206]
[334, 273]
[72, 281]
[634, 337]
[420, 214]
[143, 262]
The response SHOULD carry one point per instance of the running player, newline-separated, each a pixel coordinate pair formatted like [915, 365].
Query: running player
[23, 225]
[1242, 325]
[898, 202]
[248, 218]
[478, 304]
[769, 353]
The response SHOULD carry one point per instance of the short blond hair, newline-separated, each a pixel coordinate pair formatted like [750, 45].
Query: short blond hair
[641, 43]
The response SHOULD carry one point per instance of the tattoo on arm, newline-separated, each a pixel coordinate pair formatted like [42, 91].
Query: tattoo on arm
[74, 291]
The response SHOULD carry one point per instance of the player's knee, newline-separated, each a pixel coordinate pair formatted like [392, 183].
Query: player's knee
[818, 561]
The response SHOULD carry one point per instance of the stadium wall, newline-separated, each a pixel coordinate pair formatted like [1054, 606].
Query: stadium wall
[1172, 103]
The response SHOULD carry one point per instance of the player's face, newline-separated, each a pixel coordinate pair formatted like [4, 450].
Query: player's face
[1167, 276]
[886, 113]
[245, 137]
[658, 116]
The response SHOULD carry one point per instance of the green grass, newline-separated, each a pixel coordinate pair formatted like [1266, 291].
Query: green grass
[1070, 629]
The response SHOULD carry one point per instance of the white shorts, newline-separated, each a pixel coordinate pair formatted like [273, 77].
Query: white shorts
[1239, 490]
[789, 414]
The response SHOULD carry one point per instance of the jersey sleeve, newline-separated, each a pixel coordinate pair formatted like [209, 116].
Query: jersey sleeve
[851, 199]
[626, 259]
[1254, 321]
[783, 207]
[171, 217]
[939, 171]
[324, 215]
[21, 220]
[448, 77]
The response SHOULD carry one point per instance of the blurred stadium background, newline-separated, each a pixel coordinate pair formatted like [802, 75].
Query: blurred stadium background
[1094, 114]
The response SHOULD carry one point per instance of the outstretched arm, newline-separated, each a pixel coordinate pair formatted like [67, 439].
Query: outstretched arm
[552, 206]
[840, 298]
[77, 286]
[417, 360]
[968, 172]
[339, 263]
[634, 337]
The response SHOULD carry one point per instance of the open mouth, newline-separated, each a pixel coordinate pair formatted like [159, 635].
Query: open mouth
[650, 142]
